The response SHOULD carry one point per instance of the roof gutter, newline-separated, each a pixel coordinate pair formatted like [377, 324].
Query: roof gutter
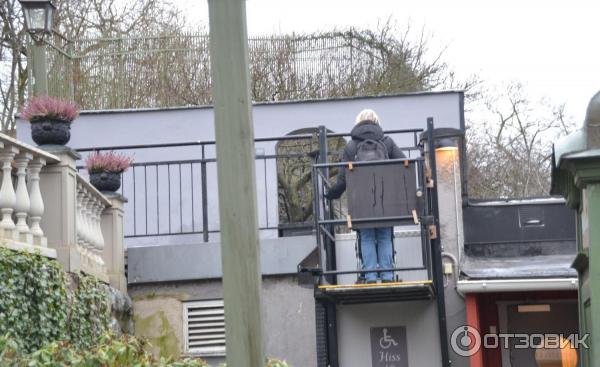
[517, 285]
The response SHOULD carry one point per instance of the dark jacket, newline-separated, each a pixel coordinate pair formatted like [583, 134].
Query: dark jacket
[360, 132]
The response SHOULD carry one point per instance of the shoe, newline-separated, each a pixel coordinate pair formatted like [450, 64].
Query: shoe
[388, 281]
[360, 281]
[371, 282]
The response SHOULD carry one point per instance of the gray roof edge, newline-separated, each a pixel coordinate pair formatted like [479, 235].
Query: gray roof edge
[269, 103]
[518, 201]
[525, 267]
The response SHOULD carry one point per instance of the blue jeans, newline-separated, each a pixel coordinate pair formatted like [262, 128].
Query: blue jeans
[377, 248]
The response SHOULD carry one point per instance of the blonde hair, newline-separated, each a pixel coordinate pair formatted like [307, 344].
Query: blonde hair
[367, 115]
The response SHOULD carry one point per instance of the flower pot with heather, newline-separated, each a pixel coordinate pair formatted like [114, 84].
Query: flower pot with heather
[105, 169]
[50, 119]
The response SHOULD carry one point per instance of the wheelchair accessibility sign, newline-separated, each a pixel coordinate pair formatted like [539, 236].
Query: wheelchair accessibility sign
[388, 347]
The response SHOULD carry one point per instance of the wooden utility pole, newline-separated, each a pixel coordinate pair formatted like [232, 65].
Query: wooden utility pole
[240, 249]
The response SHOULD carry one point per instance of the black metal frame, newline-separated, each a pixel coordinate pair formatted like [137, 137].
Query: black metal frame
[324, 224]
[431, 247]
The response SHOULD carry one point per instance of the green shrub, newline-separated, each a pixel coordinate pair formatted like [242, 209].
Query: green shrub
[111, 351]
[89, 312]
[38, 307]
[51, 319]
[277, 363]
[270, 363]
[124, 351]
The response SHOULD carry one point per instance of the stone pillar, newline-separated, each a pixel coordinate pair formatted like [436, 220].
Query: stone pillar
[114, 247]
[452, 239]
[58, 186]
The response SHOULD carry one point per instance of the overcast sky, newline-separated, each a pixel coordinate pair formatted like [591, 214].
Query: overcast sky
[552, 47]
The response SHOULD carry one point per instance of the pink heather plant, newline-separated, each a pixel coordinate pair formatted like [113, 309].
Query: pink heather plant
[107, 162]
[39, 108]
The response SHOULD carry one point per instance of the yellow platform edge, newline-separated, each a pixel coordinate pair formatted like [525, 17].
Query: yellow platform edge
[415, 282]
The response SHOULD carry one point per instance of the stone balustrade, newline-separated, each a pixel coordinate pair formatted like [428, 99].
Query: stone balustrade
[21, 200]
[46, 207]
[90, 239]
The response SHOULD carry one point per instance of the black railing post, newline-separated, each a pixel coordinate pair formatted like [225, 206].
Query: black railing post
[436, 251]
[204, 196]
[330, 263]
[327, 214]
[317, 217]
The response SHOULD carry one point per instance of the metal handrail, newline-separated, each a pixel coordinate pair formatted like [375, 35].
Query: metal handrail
[256, 140]
[155, 186]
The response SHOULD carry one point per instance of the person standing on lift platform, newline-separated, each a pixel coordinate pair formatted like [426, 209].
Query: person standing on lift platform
[369, 143]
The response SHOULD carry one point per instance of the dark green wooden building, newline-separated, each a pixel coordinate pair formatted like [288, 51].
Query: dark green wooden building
[576, 175]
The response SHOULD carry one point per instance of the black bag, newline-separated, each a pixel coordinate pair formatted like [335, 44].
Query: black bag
[371, 150]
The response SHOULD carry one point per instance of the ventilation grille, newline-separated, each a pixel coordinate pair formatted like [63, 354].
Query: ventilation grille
[204, 327]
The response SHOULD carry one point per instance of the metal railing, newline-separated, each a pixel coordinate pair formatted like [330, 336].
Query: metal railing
[179, 196]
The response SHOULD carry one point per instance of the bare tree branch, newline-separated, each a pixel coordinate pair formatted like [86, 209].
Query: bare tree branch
[521, 131]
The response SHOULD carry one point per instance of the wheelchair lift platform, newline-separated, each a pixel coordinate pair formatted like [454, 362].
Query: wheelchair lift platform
[377, 292]
[391, 193]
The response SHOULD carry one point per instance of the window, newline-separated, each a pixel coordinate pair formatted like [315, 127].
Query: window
[204, 327]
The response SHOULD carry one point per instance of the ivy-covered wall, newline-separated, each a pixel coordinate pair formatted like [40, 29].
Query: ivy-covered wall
[40, 303]
[49, 318]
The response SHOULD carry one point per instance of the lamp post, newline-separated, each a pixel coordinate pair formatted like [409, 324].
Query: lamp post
[38, 23]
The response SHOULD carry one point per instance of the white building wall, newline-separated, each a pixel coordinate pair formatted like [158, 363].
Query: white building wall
[139, 127]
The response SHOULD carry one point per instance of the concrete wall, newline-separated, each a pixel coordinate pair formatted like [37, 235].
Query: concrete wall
[452, 240]
[288, 311]
[203, 260]
[419, 318]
